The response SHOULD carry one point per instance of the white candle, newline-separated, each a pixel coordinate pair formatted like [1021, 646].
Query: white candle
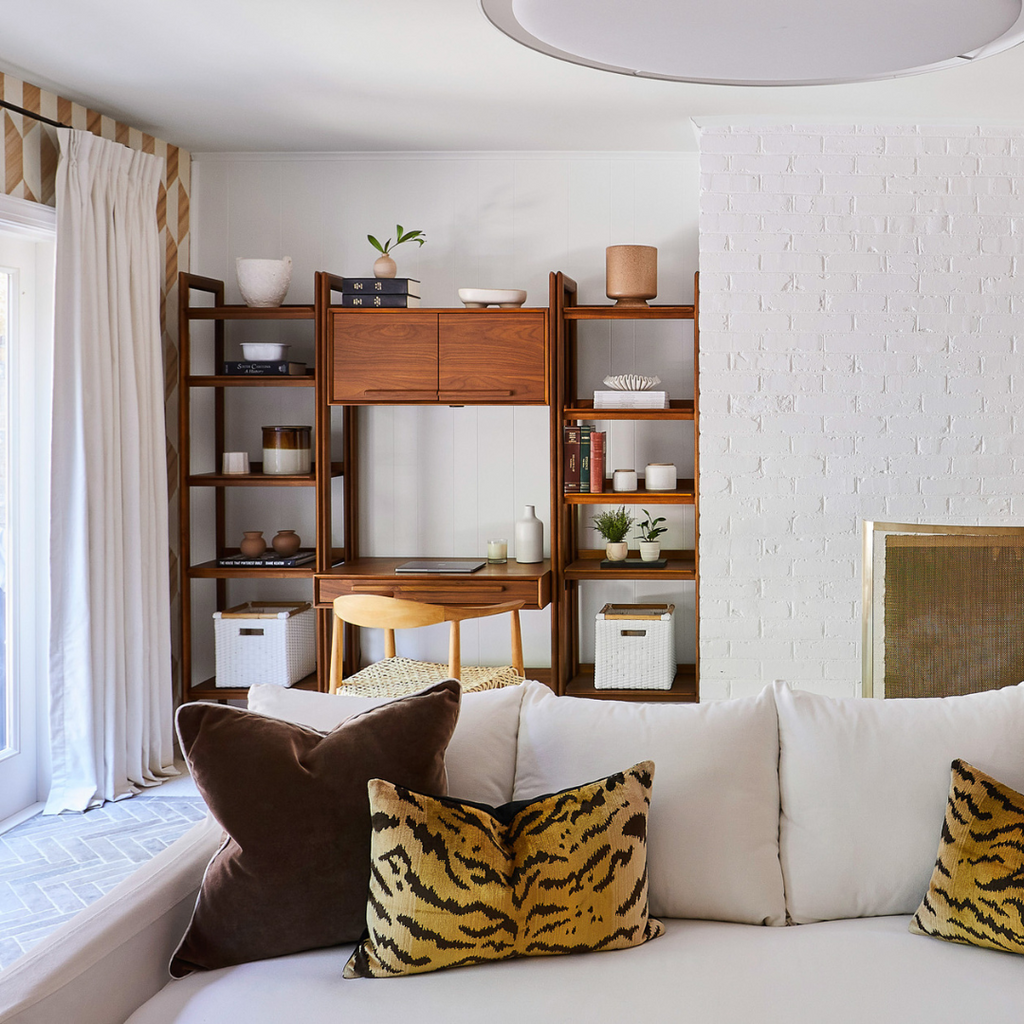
[497, 551]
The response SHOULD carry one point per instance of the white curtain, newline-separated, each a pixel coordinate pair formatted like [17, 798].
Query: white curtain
[110, 649]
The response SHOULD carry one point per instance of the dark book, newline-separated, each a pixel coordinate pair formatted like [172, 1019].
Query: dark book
[380, 286]
[268, 560]
[259, 368]
[634, 563]
[597, 446]
[368, 300]
[571, 448]
[585, 434]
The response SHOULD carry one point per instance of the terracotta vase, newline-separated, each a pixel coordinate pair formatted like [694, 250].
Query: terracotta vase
[631, 274]
[286, 542]
[385, 266]
[252, 543]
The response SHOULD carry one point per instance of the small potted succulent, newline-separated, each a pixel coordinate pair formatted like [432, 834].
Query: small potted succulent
[614, 525]
[385, 265]
[650, 530]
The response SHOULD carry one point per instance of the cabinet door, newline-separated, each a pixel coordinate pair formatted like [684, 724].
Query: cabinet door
[492, 357]
[380, 357]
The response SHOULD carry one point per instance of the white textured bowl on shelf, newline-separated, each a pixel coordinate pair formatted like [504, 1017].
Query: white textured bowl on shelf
[264, 351]
[507, 298]
[263, 282]
[631, 382]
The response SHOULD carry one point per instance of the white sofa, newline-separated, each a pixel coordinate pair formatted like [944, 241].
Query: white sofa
[791, 837]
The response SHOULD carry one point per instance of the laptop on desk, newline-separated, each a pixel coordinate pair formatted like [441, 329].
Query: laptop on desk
[442, 565]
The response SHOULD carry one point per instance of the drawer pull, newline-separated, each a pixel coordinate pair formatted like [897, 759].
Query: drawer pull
[475, 393]
[435, 588]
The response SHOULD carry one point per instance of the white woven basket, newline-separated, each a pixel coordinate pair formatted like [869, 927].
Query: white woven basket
[265, 642]
[635, 647]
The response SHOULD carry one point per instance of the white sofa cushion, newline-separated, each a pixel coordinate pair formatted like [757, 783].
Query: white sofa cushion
[481, 757]
[864, 785]
[839, 972]
[713, 849]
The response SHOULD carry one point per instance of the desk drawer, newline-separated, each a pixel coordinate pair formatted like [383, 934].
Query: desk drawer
[534, 593]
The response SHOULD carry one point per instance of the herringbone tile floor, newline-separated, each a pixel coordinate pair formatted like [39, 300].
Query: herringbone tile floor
[52, 866]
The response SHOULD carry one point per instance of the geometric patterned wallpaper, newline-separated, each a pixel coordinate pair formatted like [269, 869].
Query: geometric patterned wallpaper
[28, 170]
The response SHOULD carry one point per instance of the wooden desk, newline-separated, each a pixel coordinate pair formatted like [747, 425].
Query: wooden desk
[493, 584]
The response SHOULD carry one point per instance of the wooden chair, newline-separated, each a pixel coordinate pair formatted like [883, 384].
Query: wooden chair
[396, 676]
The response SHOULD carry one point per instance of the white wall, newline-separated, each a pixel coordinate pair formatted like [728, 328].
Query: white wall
[439, 481]
[860, 359]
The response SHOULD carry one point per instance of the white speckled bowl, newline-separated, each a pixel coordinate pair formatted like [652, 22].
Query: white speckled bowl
[507, 298]
[264, 351]
[263, 282]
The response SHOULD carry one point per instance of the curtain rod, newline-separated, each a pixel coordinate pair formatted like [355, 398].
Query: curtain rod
[29, 113]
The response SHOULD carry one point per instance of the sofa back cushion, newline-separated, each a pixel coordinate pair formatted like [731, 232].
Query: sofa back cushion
[864, 786]
[713, 850]
[481, 757]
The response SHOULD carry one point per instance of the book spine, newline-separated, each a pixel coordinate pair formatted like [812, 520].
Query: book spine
[380, 286]
[263, 369]
[585, 434]
[380, 301]
[261, 563]
[597, 443]
[571, 448]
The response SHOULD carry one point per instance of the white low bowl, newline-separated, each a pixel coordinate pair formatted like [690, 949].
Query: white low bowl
[264, 351]
[263, 282]
[507, 298]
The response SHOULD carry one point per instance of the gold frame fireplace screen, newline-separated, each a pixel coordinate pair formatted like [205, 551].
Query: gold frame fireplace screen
[943, 609]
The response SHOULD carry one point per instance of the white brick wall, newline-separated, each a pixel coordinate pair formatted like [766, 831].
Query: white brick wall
[861, 339]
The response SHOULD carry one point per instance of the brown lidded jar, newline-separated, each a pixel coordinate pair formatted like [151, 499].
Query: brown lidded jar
[287, 451]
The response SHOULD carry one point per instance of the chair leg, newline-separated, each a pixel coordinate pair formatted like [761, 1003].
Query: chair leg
[389, 643]
[454, 652]
[517, 645]
[337, 654]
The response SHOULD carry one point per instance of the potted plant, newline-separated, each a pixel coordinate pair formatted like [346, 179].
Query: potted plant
[650, 531]
[614, 526]
[385, 265]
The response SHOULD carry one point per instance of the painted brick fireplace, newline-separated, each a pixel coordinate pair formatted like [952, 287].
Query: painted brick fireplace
[861, 331]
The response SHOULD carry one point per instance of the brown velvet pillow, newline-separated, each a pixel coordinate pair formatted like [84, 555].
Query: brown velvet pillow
[293, 872]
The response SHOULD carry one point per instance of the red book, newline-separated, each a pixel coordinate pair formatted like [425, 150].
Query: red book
[571, 446]
[597, 440]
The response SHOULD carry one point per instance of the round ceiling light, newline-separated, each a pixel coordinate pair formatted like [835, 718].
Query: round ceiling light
[762, 42]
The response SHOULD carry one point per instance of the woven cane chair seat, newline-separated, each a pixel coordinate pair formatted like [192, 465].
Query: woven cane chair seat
[397, 677]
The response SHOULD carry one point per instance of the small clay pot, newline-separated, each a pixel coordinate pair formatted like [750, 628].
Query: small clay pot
[385, 266]
[252, 543]
[286, 542]
[616, 551]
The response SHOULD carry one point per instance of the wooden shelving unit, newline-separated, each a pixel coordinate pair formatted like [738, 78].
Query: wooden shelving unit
[325, 467]
[576, 564]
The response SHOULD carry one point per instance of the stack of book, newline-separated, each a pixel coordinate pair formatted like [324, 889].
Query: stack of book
[380, 292]
[584, 459]
[631, 400]
[264, 368]
[268, 560]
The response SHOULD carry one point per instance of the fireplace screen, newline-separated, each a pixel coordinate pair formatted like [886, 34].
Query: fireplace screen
[943, 609]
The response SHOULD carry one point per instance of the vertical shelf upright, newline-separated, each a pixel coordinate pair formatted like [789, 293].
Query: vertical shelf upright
[575, 563]
[318, 482]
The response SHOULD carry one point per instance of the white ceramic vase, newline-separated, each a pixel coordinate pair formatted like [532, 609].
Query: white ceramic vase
[529, 536]
[616, 552]
[263, 282]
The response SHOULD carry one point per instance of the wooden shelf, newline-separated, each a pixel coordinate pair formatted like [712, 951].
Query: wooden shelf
[209, 690]
[684, 688]
[628, 312]
[682, 495]
[257, 478]
[583, 409]
[236, 380]
[250, 312]
[681, 566]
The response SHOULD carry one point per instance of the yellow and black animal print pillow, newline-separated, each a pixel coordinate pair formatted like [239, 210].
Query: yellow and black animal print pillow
[976, 894]
[455, 883]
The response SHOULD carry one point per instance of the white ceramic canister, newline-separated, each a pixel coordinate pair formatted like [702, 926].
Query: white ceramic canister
[529, 536]
[660, 476]
[287, 451]
[624, 480]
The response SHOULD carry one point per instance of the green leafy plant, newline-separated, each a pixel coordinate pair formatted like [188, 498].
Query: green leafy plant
[613, 525]
[649, 529]
[401, 235]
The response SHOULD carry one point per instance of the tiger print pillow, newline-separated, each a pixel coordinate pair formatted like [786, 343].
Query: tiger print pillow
[976, 893]
[455, 883]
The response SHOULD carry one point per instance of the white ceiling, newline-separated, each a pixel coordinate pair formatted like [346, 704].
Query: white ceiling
[379, 75]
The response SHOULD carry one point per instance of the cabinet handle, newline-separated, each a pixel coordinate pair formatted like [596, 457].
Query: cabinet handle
[402, 393]
[437, 588]
[373, 588]
[475, 392]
